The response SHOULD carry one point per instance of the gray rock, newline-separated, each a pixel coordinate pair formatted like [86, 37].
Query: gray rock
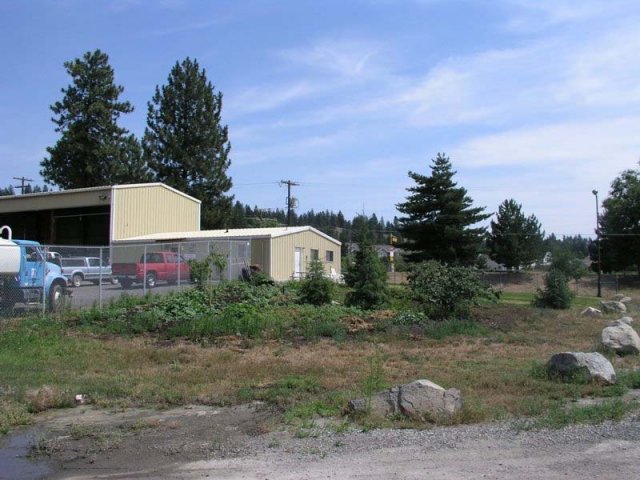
[622, 320]
[618, 296]
[625, 300]
[621, 338]
[591, 312]
[571, 365]
[424, 399]
[421, 399]
[380, 405]
[612, 306]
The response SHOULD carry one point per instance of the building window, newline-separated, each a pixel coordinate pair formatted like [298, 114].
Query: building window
[315, 254]
[329, 256]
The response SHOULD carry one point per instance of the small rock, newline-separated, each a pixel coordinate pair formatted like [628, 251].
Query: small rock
[569, 365]
[612, 306]
[618, 296]
[591, 312]
[621, 338]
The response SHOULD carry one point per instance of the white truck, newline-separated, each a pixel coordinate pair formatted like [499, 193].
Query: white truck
[26, 276]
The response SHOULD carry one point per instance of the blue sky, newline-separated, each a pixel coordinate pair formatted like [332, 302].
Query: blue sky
[533, 100]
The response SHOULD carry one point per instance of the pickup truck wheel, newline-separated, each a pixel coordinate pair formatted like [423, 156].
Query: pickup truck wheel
[151, 280]
[56, 297]
[126, 283]
[76, 280]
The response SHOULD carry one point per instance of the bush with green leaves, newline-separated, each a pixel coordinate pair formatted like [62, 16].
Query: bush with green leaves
[202, 270]
[556, 293]
[367, 276]
[444, 291]
[316, 288]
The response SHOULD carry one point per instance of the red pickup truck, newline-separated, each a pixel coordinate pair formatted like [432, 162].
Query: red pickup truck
[152, 267]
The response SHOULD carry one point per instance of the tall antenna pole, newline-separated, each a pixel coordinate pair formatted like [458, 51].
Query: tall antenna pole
[22, 185]
[289, 184]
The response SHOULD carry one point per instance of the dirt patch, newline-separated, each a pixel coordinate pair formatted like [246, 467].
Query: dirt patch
[99, 440]
[501, 317]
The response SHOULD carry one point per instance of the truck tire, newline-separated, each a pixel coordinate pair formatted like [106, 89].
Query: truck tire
[56, 297]
[125, 283]
[151, 279]
[76, 280]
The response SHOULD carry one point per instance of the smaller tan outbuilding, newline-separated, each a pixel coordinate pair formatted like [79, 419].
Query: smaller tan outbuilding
[283, 253]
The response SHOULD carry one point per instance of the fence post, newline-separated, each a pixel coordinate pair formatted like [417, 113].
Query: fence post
[144, 271]
[100, 281]
[179, 265]
[45, 254]
[229, 261]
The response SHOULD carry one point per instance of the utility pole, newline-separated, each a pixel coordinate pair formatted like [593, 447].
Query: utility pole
[22, 185]
[289, 184]
[595, 193]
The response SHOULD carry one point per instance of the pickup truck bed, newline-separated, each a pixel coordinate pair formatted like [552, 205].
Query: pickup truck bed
[153, 267]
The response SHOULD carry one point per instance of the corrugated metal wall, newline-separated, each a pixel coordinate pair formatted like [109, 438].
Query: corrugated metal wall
[147, 209]
[260, 254]
[283, 252]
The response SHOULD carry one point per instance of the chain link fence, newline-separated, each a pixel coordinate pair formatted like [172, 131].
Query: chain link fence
[37, 278]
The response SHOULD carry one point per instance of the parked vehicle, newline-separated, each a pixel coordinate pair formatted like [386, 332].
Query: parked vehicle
[152, 268]
[79, 269]
[26, 276]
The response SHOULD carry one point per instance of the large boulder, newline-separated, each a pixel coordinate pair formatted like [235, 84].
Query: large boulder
[424, 399]
[621, 338]
[591, 312]
[613, 306]
[625, 320]
[570, 366]
[621, 297]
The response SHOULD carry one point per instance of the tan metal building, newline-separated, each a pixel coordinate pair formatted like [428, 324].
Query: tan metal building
[99, 215]
[283, 253]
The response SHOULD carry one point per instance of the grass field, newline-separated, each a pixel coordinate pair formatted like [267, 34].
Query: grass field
[496, 361]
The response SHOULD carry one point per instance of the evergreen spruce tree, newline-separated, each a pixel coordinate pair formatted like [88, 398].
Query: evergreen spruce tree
[92, 150]
[367, 276]
[515, 240]
[439, 218]
[185, 144]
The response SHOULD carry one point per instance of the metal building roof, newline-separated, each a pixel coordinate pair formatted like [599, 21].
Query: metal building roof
[234, 233]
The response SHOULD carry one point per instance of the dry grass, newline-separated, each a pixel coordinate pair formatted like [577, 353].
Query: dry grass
[496, 373]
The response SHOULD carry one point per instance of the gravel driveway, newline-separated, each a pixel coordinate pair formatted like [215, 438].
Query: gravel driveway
[230, 443]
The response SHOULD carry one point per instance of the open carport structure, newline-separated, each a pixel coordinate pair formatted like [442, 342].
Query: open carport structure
[99, 215]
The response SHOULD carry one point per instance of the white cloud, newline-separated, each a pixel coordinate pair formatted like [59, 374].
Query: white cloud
[267, 97]
[344, 57]
[601, 147]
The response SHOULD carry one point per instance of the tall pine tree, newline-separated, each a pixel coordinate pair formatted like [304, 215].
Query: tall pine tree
[439, 218]
[185, 144]
[515, 240]
[92, 150]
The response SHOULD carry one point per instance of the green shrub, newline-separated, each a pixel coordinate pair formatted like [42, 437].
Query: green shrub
[556, 293]
[316, 289]
[367, 276]
[202, 270]
[443, 291]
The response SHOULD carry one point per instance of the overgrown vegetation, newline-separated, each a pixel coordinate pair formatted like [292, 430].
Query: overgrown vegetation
[443, 291]
[237, 341]
[316, 288]
[556, 293]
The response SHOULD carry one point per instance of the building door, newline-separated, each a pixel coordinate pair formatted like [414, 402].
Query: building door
[297, 272]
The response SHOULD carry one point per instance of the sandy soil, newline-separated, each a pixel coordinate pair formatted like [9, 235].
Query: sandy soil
[243, 443]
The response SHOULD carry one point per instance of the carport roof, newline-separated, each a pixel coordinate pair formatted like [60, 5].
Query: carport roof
[235, 233]
[76, 197]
